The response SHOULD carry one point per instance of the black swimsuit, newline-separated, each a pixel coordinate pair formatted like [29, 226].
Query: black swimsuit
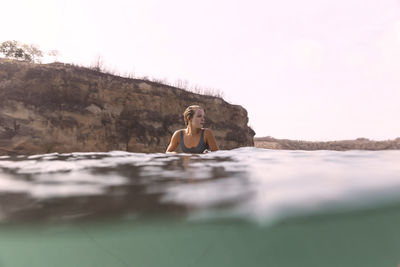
[198, 149]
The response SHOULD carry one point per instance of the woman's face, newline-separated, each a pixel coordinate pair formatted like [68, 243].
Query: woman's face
[198, 119]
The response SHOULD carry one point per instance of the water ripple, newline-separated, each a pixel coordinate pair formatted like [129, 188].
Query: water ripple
[252, 183]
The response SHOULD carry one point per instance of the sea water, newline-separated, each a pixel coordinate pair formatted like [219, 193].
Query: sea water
[242, 207]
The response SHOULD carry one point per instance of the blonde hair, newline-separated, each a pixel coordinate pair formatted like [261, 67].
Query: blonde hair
[189, 113]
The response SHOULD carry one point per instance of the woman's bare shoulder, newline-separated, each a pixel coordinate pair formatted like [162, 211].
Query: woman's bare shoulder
[208, 132]
[177, 134]
[178, 131]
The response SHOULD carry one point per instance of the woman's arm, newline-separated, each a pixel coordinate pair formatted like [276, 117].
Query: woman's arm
[174, 142]
[210, 140]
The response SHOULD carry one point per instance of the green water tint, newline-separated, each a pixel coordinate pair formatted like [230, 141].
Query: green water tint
[73, 210]
[363, 238]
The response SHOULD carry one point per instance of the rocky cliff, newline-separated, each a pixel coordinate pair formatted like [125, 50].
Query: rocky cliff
[64, 108]
[342, 145]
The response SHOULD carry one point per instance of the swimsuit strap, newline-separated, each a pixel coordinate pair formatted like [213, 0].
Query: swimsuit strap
[201, 146]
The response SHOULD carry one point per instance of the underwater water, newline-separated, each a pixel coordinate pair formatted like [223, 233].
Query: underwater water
[243, 207]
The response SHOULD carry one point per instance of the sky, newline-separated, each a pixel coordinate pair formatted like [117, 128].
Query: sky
[312, 70]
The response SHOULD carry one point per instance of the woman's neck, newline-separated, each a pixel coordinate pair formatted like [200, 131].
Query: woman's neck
[192, 131]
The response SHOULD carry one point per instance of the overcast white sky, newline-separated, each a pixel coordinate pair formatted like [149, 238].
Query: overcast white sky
[310, 70]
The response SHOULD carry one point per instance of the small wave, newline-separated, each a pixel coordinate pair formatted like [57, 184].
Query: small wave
[257, 184]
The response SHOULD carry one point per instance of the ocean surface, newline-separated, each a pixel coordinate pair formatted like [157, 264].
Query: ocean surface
[242, 207]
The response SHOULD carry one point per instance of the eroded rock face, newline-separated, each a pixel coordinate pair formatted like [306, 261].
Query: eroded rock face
[64, 108]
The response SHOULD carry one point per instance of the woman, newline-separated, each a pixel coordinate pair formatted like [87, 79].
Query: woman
[193, 139]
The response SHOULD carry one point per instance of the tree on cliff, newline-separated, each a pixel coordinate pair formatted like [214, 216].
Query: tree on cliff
[54, 54]
[34, 52]
[15, 50]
